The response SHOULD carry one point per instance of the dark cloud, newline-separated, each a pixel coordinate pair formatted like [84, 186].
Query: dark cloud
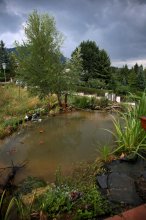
[9, 22]
[119, 26]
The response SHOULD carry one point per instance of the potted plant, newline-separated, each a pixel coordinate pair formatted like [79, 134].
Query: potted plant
[143, 122]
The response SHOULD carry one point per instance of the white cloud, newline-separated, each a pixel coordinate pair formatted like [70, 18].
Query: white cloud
[129, 63]
[10, 38]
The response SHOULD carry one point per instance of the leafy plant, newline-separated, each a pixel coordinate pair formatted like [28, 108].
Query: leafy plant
[54, 201]
[92, 204]
[103, 102]
[29, 184]
[130, 137]
[12, 122]
[82, 102]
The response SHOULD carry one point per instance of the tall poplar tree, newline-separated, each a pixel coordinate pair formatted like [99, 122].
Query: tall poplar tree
[39, 57]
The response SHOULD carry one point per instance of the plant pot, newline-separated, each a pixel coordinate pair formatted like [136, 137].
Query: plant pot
[143, 122]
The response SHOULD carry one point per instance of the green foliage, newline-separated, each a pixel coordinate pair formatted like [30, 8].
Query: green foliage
[124, 80]
[13, 122]
[82, 102]
[39, 56]
[141, 81]
[87, 90]
[92, 204]
[104, 151]
[89, 102]
[103, 102]
[96, 83]
[68, 199]
[68, 78]
[29, 184]
[9, 60]
[130, 136]
[55, 201]
[14, 104]
[96, 63]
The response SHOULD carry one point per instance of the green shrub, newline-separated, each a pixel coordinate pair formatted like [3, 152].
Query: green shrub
[13, 122]
[92, 204]
[103, 102]
[87, 90]
[29, 184]
[82, 102]
[54, 201]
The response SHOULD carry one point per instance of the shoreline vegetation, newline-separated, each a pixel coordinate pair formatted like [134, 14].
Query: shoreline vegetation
[77, 196]
[39, 65]
[17, 104]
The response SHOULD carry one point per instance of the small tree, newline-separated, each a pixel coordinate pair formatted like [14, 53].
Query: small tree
[39, 55]
[67, 78]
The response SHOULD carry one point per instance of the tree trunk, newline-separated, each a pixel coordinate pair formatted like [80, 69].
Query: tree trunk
[65, 99]
[59, 99]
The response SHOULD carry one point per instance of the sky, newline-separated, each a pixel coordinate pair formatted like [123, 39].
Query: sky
[118, 26]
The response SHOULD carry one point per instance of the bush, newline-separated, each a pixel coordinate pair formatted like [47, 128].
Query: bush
[82, 102]
[103, 102]
[13, 122]
[87, 90]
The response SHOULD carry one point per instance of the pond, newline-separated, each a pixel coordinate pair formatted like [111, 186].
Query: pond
[63, 140]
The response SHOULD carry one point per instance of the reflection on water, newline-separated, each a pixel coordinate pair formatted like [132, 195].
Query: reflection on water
[57, 141]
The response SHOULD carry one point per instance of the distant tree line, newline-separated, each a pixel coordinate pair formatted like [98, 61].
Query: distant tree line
[98, 72]
[124, 80]
[9, 59]
[39, 62]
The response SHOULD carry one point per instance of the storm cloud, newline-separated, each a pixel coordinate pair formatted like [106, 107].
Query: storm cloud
[117, 26]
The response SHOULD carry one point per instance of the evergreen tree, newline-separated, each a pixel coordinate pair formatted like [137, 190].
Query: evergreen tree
[132, 79]
[104, 71]
[4, 58]
[96, 63]
[141, 83]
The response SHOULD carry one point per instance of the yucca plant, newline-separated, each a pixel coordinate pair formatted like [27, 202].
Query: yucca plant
[130, 136]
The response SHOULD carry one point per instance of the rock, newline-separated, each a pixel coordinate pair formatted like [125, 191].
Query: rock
[141, 187]
[122, 189]
[131, 158]
[133, 170]
[28, 198]
[102, 181]
[35, 116]
[97, 108]
[144, 174]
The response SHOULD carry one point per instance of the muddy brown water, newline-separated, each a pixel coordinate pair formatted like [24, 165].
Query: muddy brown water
[61, 141]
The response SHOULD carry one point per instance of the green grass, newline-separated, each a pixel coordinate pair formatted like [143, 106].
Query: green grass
[14, 104]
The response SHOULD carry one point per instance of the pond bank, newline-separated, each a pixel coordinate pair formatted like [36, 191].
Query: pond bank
[124, 183]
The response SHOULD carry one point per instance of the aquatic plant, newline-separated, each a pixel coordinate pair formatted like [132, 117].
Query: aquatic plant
[129, 135]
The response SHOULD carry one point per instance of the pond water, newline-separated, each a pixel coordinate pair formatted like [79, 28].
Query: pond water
[63, 141]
